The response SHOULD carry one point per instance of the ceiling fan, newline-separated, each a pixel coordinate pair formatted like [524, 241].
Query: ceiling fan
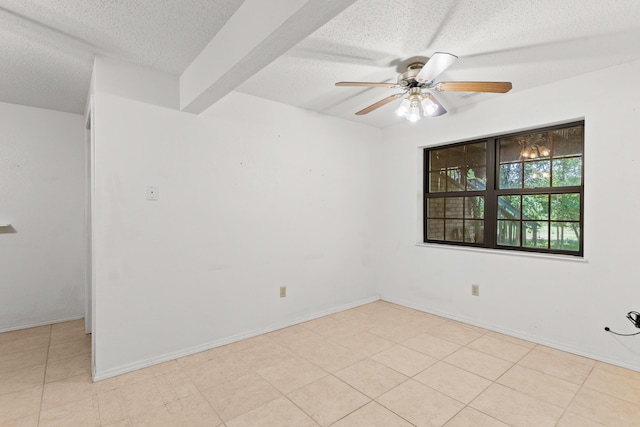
[417, 83]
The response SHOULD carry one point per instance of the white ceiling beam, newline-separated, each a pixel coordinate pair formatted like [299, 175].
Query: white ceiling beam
[258, 33]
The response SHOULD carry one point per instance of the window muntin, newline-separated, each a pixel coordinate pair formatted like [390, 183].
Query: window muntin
[456, 219]
[458, 168]
[530, 200]
[541, 159]
[547, 221]
[457, 180]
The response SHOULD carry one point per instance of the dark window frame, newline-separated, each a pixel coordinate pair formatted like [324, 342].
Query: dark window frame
[492, 192]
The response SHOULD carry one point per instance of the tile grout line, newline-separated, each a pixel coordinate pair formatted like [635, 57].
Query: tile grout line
[466, 405]
[606, 393]
[201, 391]
[328, 374]
[482, 351]
[408, 377]
[332, 374]
[328, 338]
[564, 410]
[576, 393]
[393, 388]
[44, 377]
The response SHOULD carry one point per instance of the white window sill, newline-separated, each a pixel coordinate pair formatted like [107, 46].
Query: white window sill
[552, 257]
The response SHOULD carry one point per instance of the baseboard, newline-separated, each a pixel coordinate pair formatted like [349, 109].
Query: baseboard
[516, 334]
[42, 323]
[103, 375]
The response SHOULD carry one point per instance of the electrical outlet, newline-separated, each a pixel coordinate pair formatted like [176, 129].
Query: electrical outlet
[283, 291]
[475, 290]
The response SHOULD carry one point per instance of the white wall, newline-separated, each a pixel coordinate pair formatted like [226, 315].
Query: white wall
[42, 196]
[562, 303]
[135, 82]
[255, 195]
[250, 200]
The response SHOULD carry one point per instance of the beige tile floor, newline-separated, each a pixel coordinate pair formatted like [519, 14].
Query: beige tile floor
[376, 365]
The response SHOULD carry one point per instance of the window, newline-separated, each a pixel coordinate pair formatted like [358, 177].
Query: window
[521, 191]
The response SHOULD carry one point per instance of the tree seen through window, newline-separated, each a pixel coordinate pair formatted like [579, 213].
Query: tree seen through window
[522, 191]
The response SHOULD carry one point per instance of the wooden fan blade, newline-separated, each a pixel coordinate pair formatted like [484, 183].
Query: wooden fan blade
[438, 62]
[379, 104]
[367, 84]
[441, 110]
[497, 87]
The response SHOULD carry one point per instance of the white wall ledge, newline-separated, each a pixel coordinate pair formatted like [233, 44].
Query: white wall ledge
[552, 257]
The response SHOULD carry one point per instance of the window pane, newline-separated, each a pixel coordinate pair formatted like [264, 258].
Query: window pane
[476, 154]
[474, 231]
[511, 175]
[536, 146]
[456, 157]
[477, 179]
[437, 160]
[453, 230]
[454, 207]
[435, 229]
[509, 233]
[567, 172]
[565, 236]
[525, 147]
[535, 206]
[536, 174]
[462, 167]
[437, 182]
[474, 207]
[536, 234]
[435, 207]
[565, 207]
[510, 150]
[568, 141]
[455, 181]
[509, 207]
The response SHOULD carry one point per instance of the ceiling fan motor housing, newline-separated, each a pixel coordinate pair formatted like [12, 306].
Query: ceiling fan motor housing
[408, 78]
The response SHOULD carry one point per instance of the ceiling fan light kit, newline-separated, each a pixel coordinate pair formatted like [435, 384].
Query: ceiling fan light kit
[418, 82]
[416, 105]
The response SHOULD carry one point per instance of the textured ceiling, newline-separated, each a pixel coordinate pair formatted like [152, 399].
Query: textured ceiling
[529, 43]
[47, 47]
